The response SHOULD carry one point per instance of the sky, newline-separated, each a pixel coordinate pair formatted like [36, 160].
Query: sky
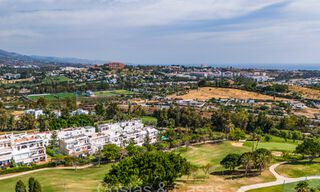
[261, 32]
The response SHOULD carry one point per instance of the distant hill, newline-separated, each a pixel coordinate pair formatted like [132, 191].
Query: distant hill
[16, 58]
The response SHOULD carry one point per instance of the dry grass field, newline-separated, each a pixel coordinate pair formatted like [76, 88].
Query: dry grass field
[308, 112]
[206, 93]
[306, 93]
[16, 80]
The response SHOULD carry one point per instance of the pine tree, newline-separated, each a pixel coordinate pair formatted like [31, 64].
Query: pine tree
[31, 184]
[36, 187]
[20, 187]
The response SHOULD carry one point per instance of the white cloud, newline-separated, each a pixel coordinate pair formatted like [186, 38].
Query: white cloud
[135, 12]
[146, 30]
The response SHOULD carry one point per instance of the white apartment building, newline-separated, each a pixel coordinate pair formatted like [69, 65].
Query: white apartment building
[73, 132]
[5, 150]
[81, 141]
[123, 133]
[80, 112]
[22, 148]
[36, 113]
[30, 148]
[83, 145]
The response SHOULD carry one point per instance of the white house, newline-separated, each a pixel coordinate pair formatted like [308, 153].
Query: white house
[80, 112]
[36, 113]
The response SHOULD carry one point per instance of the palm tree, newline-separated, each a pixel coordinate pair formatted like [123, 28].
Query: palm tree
[302, 186]
[261, 158]
[246, 160]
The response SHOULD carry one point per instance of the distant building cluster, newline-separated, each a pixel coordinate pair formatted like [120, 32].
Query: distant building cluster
[29, 148]
[115, 65]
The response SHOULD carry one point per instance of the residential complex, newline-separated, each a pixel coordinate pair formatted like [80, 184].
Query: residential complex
[22, 149]
[82, 141]
[125, 132]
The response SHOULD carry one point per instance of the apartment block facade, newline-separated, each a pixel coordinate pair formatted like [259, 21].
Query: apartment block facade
[22, 149]
[82, 141]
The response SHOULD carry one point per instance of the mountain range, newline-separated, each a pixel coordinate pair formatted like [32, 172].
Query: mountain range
[7, 57]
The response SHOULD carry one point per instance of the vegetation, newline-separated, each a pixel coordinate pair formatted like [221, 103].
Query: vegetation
[113, 93]
[81, 180]
[20, 187]
[310, 148]
[51, 96]
[151, 170]
[56, 80]
[291, 187]
[300, 168]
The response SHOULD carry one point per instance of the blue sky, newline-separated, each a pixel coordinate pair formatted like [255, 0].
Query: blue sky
[165, 31]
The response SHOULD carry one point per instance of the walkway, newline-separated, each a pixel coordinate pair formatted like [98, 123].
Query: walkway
[8, 176]
[279, 180]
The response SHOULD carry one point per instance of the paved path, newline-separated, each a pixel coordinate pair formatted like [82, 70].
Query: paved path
[279, 180]
[8, 176]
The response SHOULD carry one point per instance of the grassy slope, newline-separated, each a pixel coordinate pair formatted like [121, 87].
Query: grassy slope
[53, 96]
[276, 144]
[113, 93]
[214, 153]
[85, 180]
[300, 168]
[203, 154]
[57, 79]
[287, 187]
[149, 120]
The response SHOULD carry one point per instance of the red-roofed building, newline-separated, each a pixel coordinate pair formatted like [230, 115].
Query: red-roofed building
[115, 65]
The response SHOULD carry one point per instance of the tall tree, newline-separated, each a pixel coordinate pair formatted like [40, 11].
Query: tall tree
[20, 187]
[231, 161]
[31, 184]
[150, 169]
[247, 162]
[37, 186]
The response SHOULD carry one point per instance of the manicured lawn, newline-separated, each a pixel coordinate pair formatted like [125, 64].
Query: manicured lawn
[276, 144]
[212, 153]
[85, 180]
[113, 93]
[286, 187]
[147, 120]
[49, 96]
[56, 79]
[300, 168]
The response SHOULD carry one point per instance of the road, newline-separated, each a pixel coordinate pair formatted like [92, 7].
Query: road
[279, 180]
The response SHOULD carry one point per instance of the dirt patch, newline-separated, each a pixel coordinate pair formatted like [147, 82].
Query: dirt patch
[206, 93]
[221, 184]
[308, 112]
[277, 153]
[237, 144]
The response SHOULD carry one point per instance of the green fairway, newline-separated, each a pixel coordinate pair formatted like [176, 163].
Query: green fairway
[113, 93]
[56, 79]
[147, 120]
[212, 153]
[286, 187]
[276, 144]
[51, 96]
[84, 180]
[300, 168]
